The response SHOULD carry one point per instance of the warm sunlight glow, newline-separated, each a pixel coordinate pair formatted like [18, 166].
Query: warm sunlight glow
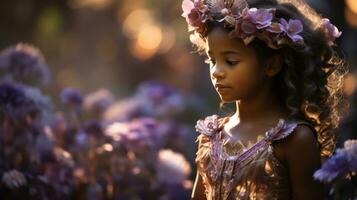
[135, 21]
[351, 17]
[149, 37]
[352, 5]
[96, 4]
[350, 84]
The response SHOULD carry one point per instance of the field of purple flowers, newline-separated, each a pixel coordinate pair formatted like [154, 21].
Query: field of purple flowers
[98, 147]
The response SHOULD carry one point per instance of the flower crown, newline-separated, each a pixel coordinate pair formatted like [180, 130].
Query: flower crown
[249, 23]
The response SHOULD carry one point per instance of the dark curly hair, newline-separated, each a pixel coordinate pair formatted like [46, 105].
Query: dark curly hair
[310, 83]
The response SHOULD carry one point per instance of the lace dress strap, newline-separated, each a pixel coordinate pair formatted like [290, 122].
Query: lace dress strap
[289, 127]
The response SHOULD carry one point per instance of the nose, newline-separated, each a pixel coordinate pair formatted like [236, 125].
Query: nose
[217, 72]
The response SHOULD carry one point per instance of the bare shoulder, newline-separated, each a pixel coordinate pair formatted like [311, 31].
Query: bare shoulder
[300, 143]
[302, 135]
[301, 154]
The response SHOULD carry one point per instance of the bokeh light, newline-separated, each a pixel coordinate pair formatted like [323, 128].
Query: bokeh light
[95, 4]
[352, 5]
[351, 17]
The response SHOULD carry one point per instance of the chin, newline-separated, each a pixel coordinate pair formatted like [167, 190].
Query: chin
[227, 99]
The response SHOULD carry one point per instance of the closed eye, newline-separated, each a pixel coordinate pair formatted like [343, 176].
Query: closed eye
[232, 63]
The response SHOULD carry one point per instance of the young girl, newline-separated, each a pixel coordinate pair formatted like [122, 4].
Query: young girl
[275, 60]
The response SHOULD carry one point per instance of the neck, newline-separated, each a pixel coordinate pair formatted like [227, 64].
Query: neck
[262, 106]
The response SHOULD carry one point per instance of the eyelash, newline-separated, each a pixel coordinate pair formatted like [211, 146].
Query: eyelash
[232, 63]
[212, 61]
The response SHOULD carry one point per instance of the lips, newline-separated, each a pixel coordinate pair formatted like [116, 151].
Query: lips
[221, 86]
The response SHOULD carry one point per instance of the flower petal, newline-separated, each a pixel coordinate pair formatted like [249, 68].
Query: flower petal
[295, 26]
[187, 6]
[248, 27]
[296, 38]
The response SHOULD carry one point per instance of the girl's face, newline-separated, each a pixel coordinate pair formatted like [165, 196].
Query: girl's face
[234, 68]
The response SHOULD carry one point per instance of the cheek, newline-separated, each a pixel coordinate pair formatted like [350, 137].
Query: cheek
[247, 78]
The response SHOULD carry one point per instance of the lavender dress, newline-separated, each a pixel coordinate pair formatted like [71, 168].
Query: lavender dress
[251, 172]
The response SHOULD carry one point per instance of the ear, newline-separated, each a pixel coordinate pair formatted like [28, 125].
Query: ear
[274, 65]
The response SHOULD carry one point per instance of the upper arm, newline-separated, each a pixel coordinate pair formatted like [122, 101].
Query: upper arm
[198, 191]
[302, 157]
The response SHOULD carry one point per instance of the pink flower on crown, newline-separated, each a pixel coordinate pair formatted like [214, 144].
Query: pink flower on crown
[331, 29]
[208, 126]
[195, 13]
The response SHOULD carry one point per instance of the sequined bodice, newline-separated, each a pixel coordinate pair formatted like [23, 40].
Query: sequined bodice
[247, 173]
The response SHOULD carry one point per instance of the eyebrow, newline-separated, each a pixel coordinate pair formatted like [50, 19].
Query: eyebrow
[226, 52]
[229, 52]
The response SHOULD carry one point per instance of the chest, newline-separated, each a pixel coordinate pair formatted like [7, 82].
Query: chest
[229, 175]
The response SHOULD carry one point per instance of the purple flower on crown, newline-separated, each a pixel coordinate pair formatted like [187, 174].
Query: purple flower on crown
[249, 23]
[332, 30]
[260, 17]
[254, 19]
[195, 13]
[292, 29]
[208, 126]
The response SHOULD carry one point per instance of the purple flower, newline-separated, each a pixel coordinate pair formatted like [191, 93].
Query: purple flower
[124, 110]
[248, 27]
[251, 21]
[331, 29]
[350, 148]
[341, 164]
[139, 135]
[333, 167]
[159, 99]
[71, 96]
[195, 18]
[12, 97]
[16, 104]
[194, 12]
[98, 101]
[13, 179]
[24, 63]
[292, 29]
[93, 127]
[44, 149]
[42, 103]
[60, 124]
[172, 167]
[187, 6]
[260, 17]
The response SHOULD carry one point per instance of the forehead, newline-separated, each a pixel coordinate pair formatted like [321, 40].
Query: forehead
[218, 40]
